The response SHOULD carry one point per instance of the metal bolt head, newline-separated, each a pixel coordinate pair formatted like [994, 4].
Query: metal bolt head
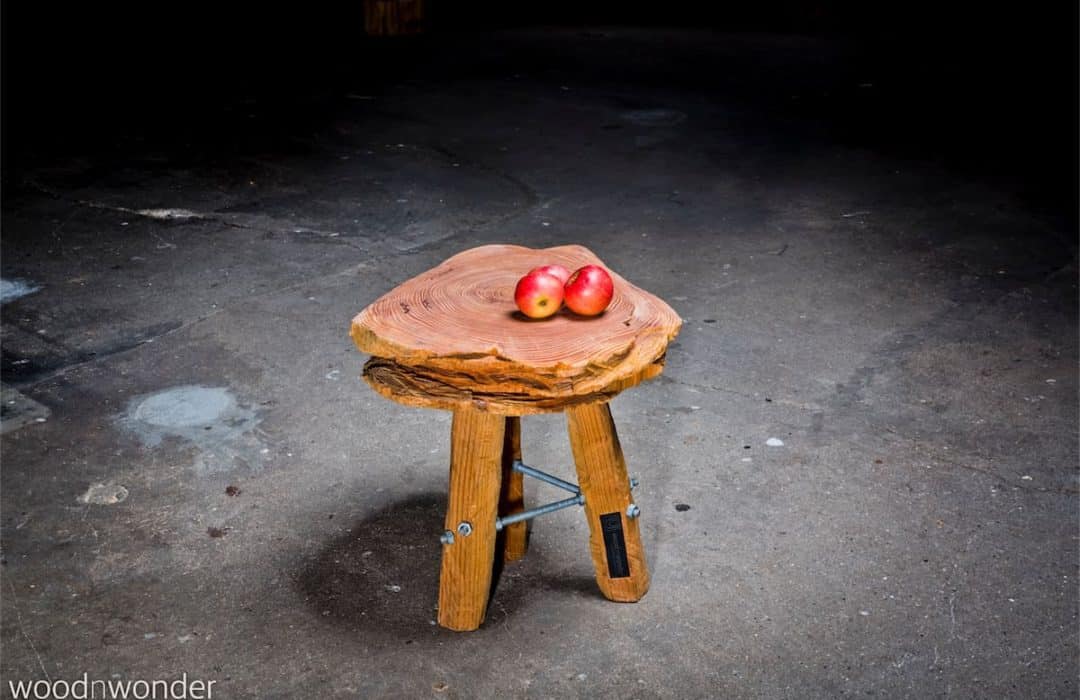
[633, 483]
[464, 529]
[447, 537]
[632, 511]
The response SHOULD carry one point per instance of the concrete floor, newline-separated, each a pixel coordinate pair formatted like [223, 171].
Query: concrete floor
[215, 491]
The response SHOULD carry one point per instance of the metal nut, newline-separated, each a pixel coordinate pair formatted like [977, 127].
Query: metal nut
[633, 483]
[447, 537]
[632, 511]
[464, 529]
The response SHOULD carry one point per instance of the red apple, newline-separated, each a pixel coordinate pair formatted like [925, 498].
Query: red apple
[538, 294]
[557, 270]
[589, 290]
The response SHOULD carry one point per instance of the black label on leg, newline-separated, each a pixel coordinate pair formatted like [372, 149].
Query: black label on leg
[615, 545]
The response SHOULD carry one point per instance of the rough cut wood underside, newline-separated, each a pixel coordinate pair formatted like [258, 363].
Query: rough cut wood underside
[453, 338]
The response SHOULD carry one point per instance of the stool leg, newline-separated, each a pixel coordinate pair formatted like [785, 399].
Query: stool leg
[614, 540]
[476, 442]
[512, 498]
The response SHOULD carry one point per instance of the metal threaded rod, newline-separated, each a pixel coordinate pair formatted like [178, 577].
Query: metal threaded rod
[525, 469]
[577, 500]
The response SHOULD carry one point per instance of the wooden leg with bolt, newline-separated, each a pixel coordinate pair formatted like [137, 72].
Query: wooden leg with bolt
[614, 539]
[476, 446]
[512, 498]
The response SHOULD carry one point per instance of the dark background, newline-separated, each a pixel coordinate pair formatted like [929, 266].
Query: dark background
[992, 88]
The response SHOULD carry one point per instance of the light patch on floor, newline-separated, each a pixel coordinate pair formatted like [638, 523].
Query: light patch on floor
[169, 214]
[223, 432]
[104, 494]
[10, 290]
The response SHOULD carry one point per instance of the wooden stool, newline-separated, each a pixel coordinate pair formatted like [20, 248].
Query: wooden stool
[452, 338]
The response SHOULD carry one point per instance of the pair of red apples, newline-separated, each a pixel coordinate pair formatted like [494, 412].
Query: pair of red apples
[544, 289]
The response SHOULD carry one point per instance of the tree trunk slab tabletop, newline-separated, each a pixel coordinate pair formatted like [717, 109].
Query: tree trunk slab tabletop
[452, 337]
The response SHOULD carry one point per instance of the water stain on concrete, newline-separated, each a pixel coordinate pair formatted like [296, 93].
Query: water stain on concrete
[10, 290]
[223, 431]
